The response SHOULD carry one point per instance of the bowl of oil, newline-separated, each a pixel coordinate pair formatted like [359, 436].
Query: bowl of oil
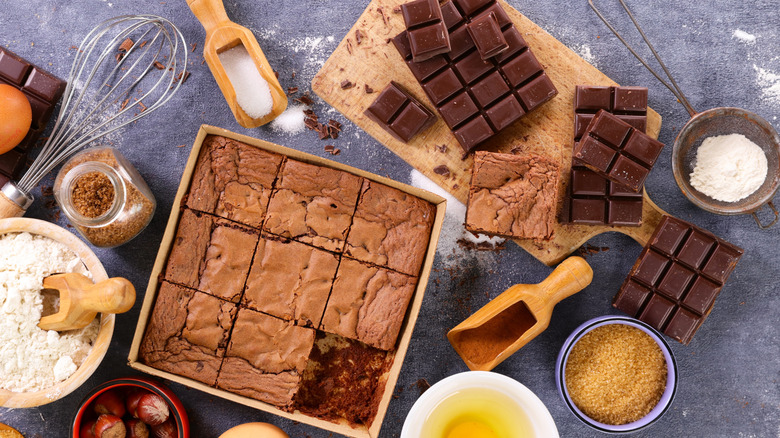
[479, 404]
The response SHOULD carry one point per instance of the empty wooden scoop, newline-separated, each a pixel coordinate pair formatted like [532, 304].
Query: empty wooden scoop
[81, 300]
[222, 35]
[519, 314]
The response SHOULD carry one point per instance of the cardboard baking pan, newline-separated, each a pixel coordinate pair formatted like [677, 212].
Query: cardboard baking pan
[407, 327]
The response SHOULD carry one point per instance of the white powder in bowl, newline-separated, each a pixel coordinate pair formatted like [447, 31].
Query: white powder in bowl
[32, 359]
[253, 94]
[729, 167]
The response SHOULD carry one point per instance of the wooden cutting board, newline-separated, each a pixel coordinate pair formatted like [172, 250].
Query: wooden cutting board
[366, 57]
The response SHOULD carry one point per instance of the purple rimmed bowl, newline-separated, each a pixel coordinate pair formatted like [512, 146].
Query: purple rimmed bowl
[671, 374]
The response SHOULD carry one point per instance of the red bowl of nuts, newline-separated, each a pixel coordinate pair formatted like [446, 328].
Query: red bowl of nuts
[133, 407]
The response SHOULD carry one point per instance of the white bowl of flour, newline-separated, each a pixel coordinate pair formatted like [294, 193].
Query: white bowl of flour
[38, 367]
[727, 161]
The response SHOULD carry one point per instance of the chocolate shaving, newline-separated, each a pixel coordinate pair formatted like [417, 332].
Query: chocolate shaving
[119, 57]
[293, 75]
[292, 90]
[397, 10]
[193, 45]
[305, 99]
[159, 65]
[124, 104]
[329, 148]
[369, 90]
[346, 84]
[442, 148]
[422, 385]
[382, 13]
[141, 104]
[126, 45]
[442, 170]
[349, 46]
[333, 123]
[143, 43]
[358, 36]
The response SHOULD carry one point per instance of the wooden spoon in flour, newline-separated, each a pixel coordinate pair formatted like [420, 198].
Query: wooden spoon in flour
[81, 300]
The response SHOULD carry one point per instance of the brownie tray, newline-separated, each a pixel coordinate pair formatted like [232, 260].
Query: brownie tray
[388, 381]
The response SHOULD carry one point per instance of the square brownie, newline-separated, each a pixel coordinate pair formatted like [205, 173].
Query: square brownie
[513, 195]
[368, 303]
[313, 204]
[233, 180]
[211, 255]
[290, 280]
[266, 358]
[187, 333]
[391, 228]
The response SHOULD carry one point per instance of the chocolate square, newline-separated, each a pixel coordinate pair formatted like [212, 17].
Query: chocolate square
[458, 109]
[489, 89]
[649, 267]
[486, 32]
[399, 113]
[676, 281]
[657, 311]
[695, 249]
[701, 296]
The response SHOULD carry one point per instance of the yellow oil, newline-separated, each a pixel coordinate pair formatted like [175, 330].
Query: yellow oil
[477, 413]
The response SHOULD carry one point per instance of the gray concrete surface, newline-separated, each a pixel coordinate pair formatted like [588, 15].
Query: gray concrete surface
[729, 373]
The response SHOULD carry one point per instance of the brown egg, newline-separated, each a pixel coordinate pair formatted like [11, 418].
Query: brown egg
[255, 430]
[15, 117]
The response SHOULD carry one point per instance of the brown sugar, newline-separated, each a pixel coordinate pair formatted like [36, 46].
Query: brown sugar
[616, 374]
[93, 194]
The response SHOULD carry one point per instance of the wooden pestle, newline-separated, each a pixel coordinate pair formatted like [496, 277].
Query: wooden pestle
[223, 34]
[81, 300]
[519, 314]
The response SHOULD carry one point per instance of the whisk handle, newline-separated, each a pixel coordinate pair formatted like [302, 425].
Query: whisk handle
[210, 13]
[13, 202]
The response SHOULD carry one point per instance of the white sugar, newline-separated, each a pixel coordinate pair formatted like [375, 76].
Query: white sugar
[744, 36]
[453, 228]
[253, 93]
[769, 82]
[291, 121]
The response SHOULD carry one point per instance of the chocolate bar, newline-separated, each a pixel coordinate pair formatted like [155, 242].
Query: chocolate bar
[674, 283]
[399, 113]
[43, 90]
[593, 199]
[426, 30]
[487, 36]
[478, 98]
[617, 150]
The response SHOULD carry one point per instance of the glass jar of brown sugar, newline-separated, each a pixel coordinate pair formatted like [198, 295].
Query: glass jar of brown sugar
[104, 197]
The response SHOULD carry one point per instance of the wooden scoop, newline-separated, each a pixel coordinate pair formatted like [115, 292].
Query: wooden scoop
[223, 34]
[81, 300]
[519, 314]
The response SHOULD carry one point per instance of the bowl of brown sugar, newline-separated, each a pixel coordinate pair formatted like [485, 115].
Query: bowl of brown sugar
[616, 374]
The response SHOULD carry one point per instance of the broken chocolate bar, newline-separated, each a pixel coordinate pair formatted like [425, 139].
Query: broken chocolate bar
[399, 113]
[674, 283]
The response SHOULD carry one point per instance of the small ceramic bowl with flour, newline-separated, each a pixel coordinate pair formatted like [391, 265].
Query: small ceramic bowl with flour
[37, 366]
[727, 161]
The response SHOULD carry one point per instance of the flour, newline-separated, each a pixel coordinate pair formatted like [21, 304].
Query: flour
[744, 36]
[729, 167]
[33, 359]
[769, 82]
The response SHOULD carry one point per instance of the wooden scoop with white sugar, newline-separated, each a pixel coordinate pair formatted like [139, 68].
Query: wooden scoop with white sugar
[239, 66]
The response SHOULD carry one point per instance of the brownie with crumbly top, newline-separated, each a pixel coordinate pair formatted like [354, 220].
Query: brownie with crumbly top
[233, 180]
[368, 303]
[391, 228]
[211, 255]
[290, 280]
[513, 195]
[265, 358]
[313, 204]
[187, 333]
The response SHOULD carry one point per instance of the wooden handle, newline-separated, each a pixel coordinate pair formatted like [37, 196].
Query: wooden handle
[570, 277]
[81, 300]
[210, 13]
[9, 208]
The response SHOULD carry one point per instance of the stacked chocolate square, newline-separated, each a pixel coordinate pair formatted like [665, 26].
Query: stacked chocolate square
[275, 261]
[473, 65]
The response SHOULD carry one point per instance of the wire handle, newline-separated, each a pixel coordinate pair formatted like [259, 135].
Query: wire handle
[673, 87]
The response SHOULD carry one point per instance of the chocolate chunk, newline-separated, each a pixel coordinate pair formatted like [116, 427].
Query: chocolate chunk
[399, 113]
[479, 98]
[621, 205]
[487, 35]
[426, 30]
[442, 170]
[43, 90]
[368, 89]
[674, 283]
[618, 151]
[346, 84]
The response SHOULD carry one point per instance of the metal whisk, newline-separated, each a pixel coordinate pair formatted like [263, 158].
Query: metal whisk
[125, 69]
